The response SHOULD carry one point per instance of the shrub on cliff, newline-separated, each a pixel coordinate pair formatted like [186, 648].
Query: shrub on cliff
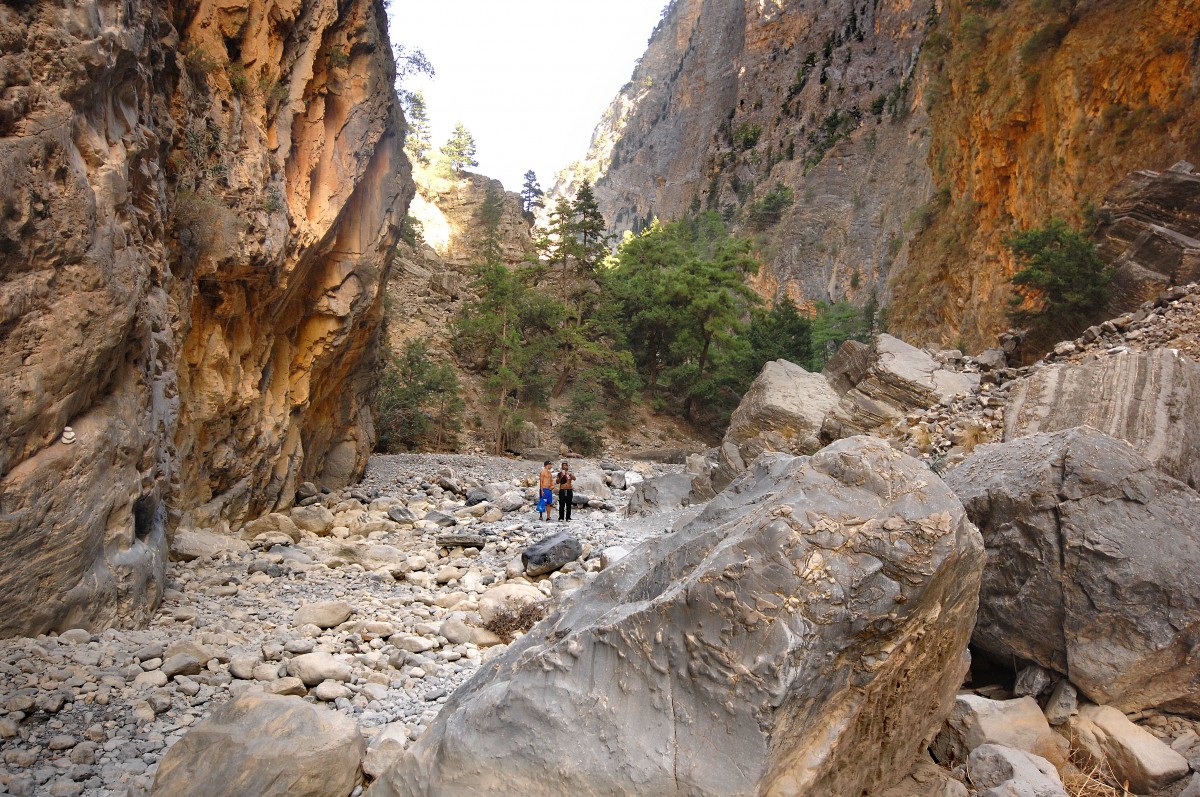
[1067, 283]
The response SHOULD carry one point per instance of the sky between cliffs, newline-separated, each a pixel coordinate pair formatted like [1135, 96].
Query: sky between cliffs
[529, 78]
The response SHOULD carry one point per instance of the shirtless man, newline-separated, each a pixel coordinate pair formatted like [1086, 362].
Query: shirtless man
[566, 483]
[545, 491]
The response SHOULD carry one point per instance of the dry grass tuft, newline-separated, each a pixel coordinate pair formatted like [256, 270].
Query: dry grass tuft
[507, 623]
[1091, 778]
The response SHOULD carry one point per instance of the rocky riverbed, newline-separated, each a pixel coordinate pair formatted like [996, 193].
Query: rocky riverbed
[390, 623]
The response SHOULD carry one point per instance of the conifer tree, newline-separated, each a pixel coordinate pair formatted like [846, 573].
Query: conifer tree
[532, 195]
[418, 143]
[460, 149]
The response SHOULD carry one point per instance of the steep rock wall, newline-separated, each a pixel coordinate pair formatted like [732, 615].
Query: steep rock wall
[914, 136]
[734, 97]
[198, 202]
[1038, 110]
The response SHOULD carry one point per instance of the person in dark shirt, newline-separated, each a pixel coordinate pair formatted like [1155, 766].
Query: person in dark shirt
[565, 481]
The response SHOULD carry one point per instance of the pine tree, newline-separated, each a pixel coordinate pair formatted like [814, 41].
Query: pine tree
[490, 214]
[589, 228]
[532, 195]
[418, 143]
[460, 149]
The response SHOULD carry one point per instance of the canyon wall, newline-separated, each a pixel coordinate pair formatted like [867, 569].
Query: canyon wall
[910, 136]
[200, 203]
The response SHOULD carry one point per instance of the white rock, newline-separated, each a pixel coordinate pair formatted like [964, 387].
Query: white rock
[1134, 755]
[330, 691]
[326, 614]
[313, 668]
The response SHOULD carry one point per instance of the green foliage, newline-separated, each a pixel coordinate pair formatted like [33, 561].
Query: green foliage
[460, 149]
[681, 292]
[418, 141]
[273, 202]
[833, 128]
[338, 58]
[768, 210]
[746, 135]
[833, 325]
[1060, 267]
[198, 61]
[532, 195]
[419, 403]
[412, 232]
[238, 81]
[490, 214]
[581, 429]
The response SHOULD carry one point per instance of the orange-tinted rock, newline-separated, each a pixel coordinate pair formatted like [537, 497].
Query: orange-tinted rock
[198, 203]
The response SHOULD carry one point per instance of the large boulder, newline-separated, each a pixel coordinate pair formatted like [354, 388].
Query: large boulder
[805, 634]
[589, 481]
[1151, 400]
[884, 381]
[1093, 565]
[263, 745]
[190, 544]
[782, 411]
[977, 720]
[663, 493]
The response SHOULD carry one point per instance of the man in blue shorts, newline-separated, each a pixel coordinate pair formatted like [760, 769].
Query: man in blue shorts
[545, 492]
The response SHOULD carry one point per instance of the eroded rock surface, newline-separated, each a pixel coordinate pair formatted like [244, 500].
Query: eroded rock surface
[1149, 399]
[1093, 565]
[782, 411]
[884, 381]
[805, 634]
[199, 202]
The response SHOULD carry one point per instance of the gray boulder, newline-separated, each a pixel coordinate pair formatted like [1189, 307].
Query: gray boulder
[550, 554]
[998, 771]
[882, 382]
[1151, 400]
[440, 519]
[782, 411]
[401, 514]
[589, 481]
[805, 634]
[263, 745]
[1094, 566]
[662, 493]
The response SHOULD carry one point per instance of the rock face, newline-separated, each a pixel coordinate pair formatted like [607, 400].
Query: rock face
[260, 745]
[1149, 230]
[804, 635]
[884, 381]
[199, 199]
[1094, 565]
[731, 99]
[1149, 399]
[782, 411]
[906, 169]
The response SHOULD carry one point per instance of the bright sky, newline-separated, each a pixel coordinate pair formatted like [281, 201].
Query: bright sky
[529, 78]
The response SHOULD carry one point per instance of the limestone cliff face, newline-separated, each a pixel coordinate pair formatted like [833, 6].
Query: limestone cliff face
[1037, 113]
[198, 198]
[913, 135]
[736, 96]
